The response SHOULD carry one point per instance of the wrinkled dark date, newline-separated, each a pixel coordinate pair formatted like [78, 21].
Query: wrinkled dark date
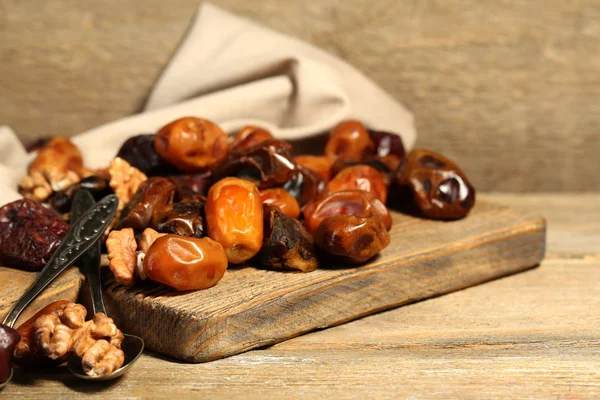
[441, 190]
[267, 164]
[305, 186]
[139, 151]
[29, 234]
[9, 338]
[192, 185]
[286, 244]
[99, 188]
[185, 218]
[352, 239]
[153, 193]
[387, 144]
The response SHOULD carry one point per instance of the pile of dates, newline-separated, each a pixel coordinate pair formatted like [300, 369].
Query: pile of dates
[195, 202]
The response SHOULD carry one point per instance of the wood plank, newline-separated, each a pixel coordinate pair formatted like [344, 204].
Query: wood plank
[251, 308]
[13, 283]
[532, 335]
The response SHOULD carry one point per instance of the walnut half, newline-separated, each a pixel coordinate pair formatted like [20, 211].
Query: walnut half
[125, 180]
[122, 256]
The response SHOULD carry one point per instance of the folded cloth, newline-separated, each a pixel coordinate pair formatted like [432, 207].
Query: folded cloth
[236, 72]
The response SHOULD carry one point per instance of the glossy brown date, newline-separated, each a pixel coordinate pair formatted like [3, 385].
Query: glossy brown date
[281, 198]
[306, 185]
[267, 164]
[352, 239]
[360, 177]
[191, 144]
[320, 164]
[184, 218]
[441, 190]
[234, 218]
[250, 136]
[387, 144]
[185, 263]
[153, 193]
[349, 141]
[348, 202]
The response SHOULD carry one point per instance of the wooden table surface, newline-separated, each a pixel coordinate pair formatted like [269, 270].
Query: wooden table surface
[532, 335]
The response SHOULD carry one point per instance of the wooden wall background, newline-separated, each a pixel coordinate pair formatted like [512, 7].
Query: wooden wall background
[508, 88]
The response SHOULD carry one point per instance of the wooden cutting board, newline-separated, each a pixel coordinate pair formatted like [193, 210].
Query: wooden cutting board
[250, 308]
[14, 282]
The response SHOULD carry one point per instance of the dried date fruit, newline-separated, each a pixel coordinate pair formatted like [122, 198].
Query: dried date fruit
[267, 164]
[281, 198]
[305, 185]
[349, 141]
[441, 190]
[250, 136]
[387, 144]
[140, 153]
[320, 164]
[29, 234]
[192, 185]
[234, 218]
[96, 185]
[153, 193]
[185, 263]
[352, 239]
[388, 166]
[184, 218]
[361, 177]
[8, 340]
[348, 202]
[191, 144]
[286, 244]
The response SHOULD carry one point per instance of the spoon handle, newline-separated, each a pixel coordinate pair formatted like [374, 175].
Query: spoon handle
[90, 261]
[82, 235]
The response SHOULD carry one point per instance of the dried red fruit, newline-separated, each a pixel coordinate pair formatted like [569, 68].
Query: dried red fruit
[29, 234]
[9, 338]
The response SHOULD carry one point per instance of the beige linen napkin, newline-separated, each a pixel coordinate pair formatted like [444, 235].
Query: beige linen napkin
[235, 72]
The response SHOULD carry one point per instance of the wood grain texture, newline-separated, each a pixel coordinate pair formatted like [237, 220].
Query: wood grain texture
[13, 283]
[531, 335]
[508, 88]
[251, 308]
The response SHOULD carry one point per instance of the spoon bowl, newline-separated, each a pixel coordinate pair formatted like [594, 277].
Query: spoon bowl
[132, 346]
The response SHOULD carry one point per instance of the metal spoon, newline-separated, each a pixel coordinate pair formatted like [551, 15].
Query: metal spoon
[82, 235]
[132, 346]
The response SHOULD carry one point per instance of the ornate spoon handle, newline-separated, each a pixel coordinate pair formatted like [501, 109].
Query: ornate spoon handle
[80, 238]
[89, 263]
